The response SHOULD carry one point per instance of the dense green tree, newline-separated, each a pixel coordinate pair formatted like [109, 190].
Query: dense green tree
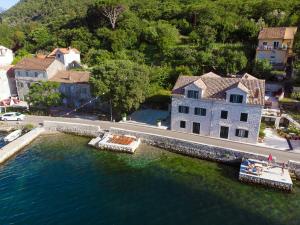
[262, 68]
[161, 34]
[44, 95]
[40, 38]
[122, 82]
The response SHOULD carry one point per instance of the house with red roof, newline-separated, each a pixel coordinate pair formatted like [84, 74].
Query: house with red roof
[275, 44]
[70, 57]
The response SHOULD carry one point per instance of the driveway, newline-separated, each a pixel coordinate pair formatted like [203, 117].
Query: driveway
[273, 140]
[150, 117]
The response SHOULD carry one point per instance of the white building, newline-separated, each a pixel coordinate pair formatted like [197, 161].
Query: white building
[70, 57]
[6, 56]
[5, 91]
[211, 105]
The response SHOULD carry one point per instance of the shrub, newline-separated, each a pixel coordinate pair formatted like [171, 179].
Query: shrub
[28, 127]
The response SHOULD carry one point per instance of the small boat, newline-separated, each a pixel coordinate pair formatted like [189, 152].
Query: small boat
[13, 136]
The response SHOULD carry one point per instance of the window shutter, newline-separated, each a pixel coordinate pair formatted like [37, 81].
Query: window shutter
[237, 132]
[231, 98]
[240, 98]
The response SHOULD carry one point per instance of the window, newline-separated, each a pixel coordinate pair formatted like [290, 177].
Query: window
[200, 111]
[182, 124]
[183, 109]
[27, 74]
[244, 117]
[276, 44]
[36, 74]
[224, 131]
[193, 94]
[265, 43]
[241, 133]
[236, 98]
[58, 55]
[224, 114]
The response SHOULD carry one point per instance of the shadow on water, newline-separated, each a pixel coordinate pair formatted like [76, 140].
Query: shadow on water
[60, 179]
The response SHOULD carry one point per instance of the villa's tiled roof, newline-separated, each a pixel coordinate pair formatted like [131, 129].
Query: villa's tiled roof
[71, 77]
[34, 63]
[277, 33]
[217, 86]
[63, 50]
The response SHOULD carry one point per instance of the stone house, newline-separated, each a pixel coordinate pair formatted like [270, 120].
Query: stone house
[74, 87]
[70, 57]
[30, 70]
[275, 44]
[211, 105]
[6, 56]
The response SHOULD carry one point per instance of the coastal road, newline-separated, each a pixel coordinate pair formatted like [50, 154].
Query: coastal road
[279, 154]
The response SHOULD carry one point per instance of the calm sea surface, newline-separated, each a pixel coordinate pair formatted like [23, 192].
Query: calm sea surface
[59, 180]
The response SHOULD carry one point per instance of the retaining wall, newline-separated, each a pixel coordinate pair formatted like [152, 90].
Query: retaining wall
[17, 145]
[73, 128]
[193, 149]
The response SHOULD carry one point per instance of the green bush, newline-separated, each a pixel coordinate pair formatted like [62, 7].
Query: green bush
[28, 127]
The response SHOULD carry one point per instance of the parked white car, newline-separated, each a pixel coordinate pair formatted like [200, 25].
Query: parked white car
[12, 116]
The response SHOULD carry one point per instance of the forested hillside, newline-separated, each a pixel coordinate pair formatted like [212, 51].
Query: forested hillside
[167, 37]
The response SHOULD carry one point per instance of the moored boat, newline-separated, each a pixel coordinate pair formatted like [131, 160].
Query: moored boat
[13, 136]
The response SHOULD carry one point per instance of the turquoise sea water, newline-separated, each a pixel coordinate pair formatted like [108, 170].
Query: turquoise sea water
[59, 180]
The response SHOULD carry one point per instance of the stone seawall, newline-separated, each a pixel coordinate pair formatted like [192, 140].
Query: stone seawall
[73, 128]
[17, 145]
[189, 148]
[294, 167]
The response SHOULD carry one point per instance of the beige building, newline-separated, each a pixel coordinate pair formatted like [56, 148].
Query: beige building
[30, 70]
[275, 44]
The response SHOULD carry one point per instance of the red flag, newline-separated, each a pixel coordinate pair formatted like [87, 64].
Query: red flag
[270, 158]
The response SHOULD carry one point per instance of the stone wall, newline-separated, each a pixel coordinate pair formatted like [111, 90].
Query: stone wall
[193, 149]
[294, 167]
[74, 128]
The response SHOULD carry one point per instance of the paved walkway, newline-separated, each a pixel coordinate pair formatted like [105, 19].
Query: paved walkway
[279, 154]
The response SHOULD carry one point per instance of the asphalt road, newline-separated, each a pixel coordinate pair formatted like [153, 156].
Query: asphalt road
[279, 154]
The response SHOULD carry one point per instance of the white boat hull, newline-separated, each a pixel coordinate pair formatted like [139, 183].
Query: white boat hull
[13, 136]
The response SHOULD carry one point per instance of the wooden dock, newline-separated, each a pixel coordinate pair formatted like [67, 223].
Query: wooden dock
[258, 172]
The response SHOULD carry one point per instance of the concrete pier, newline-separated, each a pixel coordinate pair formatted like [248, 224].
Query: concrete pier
[17, 145]
[263, 174]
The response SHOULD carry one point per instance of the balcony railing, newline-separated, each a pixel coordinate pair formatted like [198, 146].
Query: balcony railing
[270, 48]
[271, 112]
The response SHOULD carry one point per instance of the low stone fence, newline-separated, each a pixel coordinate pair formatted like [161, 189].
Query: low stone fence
[73, 128]
[189, 148]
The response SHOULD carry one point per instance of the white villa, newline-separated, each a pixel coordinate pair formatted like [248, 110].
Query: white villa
[6, 56]
[70, 57]
[211, 105]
